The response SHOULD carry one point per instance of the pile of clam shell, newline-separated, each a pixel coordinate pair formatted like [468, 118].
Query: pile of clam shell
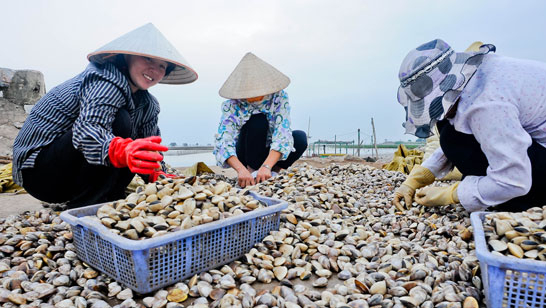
[519, 234]
[340, 244]
[173, 205]
[39, 266]
[342, 233]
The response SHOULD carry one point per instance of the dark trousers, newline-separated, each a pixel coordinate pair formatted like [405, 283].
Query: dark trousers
[61, 173]
[464, 151]
[251, 146]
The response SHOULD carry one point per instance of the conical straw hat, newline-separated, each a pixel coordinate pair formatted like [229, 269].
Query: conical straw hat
[474, 47]
[147, 41]
[253, 77]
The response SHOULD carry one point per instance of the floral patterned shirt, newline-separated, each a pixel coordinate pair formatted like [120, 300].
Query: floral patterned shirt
[235, 113]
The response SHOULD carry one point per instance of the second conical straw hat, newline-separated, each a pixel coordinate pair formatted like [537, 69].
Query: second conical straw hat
[253, 77]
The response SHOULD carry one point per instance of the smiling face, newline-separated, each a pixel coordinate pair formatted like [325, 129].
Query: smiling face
[144, 72]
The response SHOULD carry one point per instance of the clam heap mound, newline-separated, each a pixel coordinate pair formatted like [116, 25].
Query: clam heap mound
[340, 244]
[520, 235]
[173, 205]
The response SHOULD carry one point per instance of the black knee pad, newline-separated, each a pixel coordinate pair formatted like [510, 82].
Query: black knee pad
[300, 139]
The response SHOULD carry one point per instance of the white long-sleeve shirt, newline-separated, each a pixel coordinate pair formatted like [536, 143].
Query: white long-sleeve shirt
[504, 107]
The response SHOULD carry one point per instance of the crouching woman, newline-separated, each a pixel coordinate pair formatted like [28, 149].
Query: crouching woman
[84, 141]
[254, 134]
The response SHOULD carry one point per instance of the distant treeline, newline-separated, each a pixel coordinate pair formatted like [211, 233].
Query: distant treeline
[385, 146]
[411, 145]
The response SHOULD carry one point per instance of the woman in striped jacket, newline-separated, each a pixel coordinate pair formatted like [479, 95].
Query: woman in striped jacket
[84, 140]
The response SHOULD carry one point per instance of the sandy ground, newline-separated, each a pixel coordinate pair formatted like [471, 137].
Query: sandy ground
[19, 203]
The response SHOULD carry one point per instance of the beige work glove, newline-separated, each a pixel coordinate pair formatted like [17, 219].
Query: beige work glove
[437, 196]
[418, 177]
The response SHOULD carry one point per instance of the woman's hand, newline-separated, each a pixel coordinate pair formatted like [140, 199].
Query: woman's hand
[418, 177]
[244, 178]
[437, 196]
[139, 155]
[405, 193]
[263, 174]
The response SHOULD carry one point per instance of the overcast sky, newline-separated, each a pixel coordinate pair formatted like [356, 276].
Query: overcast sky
[341, 56]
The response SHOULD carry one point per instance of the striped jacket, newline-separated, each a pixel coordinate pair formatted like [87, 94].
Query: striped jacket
[86, 104]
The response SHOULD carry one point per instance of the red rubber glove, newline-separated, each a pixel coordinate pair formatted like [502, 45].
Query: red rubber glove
[153, 176]
[140, 155]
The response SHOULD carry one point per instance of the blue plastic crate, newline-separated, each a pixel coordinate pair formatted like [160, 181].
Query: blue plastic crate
[508, 281]
[149, 264]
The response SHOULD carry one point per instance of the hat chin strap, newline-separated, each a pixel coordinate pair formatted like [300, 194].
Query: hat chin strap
[452, 110]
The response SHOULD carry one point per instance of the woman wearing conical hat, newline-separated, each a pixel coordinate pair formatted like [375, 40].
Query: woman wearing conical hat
[84, 141]
[490, 111]
[254, 134]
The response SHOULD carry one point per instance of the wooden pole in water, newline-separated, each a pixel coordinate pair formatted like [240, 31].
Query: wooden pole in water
[309, 138]
[335, 143]
[374, 141]
[358, 151]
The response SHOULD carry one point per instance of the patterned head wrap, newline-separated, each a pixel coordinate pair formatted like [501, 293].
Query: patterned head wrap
[432, 77]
